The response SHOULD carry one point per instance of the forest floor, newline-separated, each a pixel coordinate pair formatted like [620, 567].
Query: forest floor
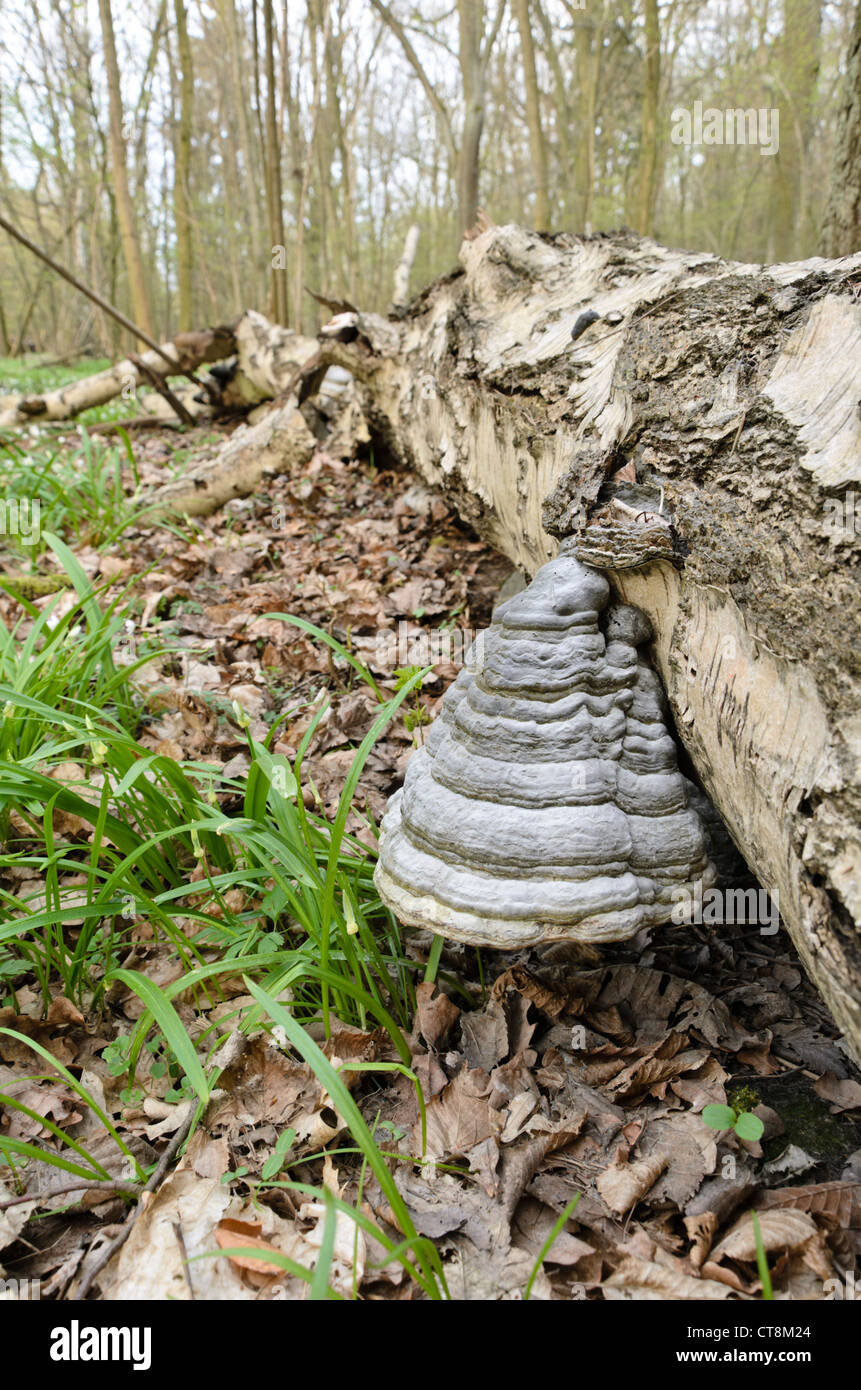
[530, 1124]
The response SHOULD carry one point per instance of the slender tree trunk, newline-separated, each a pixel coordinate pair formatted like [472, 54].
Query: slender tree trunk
[471, 24]
[182, 172]
[125, 208]
[278, 248]
[841, 225]
[249, 151]
[302, 199]
[795, 78]
[336, 98]
[588, 65]
[647, 174]
[537, 143]
[564, 115]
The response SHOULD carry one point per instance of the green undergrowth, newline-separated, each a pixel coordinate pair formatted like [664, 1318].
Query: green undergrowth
[99, 834]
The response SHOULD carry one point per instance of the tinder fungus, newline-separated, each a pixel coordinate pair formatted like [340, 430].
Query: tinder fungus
[546, 802]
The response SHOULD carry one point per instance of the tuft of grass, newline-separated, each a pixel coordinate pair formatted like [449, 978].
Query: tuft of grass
[418, 1256]
[167, 842]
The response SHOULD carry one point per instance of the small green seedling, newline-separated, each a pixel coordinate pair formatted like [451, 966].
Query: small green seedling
[747, 1126]
[278, 1157]
[417, 715]
[117, 1056]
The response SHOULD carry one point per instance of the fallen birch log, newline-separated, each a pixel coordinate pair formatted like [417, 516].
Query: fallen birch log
[279, 443]
[188, 350]
[559, 386]
[260, 359]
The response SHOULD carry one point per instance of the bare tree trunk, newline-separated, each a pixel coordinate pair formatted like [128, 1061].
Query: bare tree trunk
[537, 143]
[273, 174]
[589, 42]
[794, 78]
[305, 179]
[182, 173]
[647, 174]
[564, 114]
[470, 16]
[731, 392]
[125, 208]
[248, 148]
[841, 225]
[401, 295]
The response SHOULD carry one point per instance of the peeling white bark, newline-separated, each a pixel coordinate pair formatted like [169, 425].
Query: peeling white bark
[732, 390]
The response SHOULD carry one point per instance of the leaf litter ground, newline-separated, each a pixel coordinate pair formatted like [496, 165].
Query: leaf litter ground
[551, 1076]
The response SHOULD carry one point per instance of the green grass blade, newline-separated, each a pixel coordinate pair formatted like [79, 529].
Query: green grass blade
[545, 1249]
[344, 1103]
[168, 1020]
[762, 1261]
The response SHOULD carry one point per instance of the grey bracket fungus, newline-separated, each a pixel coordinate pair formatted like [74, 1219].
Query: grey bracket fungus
[546, 803]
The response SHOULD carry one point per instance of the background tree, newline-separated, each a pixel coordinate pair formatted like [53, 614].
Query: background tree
[182, 169]
[165, 163]
[124, 204]
[841, 225]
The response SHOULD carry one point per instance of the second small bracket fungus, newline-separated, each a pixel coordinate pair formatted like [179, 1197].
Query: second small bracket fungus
[546, 803]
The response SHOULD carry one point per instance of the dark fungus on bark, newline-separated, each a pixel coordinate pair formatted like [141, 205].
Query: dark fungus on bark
[583, 322]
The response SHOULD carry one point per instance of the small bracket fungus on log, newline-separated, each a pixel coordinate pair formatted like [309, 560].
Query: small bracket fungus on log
[546, 802]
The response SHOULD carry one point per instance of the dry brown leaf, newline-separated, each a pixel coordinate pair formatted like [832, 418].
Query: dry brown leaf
[48, 1099]
[151, 1263]
[644, 1279]
[62, 1010]
[436, 1015]
[657, 1001]
[622, 1184]
[459, 1118]
[700, 1231]
[231, 1234]
[839, 1200]
[691, 1148]
[841, 1095]
[521, 1161]
[781, 1229]
[484, 1035]
[14, 1219]
[722, 1274]
[666, 1063]
[533, 1224]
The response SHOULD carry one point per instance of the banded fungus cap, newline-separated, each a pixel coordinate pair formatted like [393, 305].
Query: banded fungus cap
[546, 803]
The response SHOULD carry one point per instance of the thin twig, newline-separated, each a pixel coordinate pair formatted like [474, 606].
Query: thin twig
[40, 1198]
[173, 364]
[108, 1251]
[180, 1240]
[132, 422]
[158, 381]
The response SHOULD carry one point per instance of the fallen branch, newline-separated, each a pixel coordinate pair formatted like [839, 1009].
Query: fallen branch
[190, 350]
[39, 1199]
[279, 443]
